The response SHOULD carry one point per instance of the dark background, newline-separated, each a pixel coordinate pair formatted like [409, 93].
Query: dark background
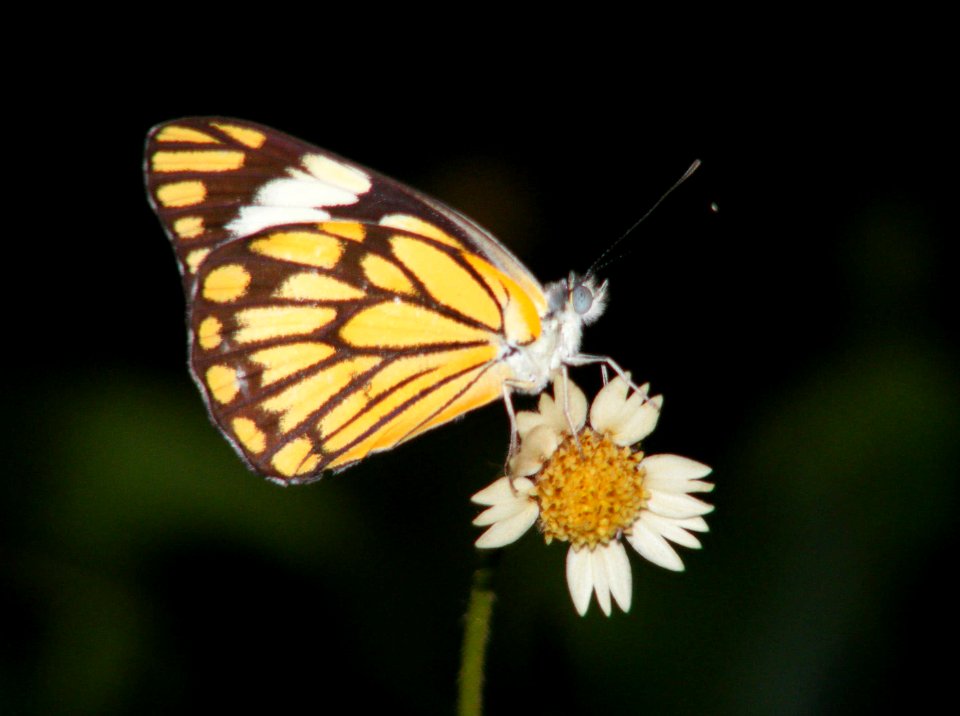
[801, 334]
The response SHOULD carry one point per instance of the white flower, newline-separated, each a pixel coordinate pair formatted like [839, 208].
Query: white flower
[591, 487]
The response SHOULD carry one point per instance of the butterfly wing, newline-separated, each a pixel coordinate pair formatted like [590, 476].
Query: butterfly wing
[333, 312]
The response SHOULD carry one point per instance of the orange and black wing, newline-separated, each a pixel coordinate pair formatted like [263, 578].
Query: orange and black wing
[333, 312]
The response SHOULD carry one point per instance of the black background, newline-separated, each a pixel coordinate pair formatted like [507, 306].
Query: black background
[801, 334]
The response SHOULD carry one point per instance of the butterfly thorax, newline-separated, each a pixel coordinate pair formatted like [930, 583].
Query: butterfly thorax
[573, 303]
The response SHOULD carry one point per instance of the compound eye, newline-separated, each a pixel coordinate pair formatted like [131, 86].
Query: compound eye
[582, 299]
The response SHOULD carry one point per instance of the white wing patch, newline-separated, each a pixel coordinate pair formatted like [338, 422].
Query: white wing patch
[337, 174]
[303, 196]
[252, 219]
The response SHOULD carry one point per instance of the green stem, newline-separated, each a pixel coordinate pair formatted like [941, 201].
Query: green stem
[476, 634]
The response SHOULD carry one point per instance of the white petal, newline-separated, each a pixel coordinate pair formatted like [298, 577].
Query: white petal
[637, 425]
[545, 402]
[671, 529]
[679, 506]
[555, 409]
[501, 491]
[541, 443]
[678, 487]
[619, 574]
[509, 530]
[638, 398]
[601, 582]
[673, 468]
[580, 579]
[535, 450]
[653, 547]
[552, 415]
[522, 465]
[573, 404]
[697, 524]
[606, 408]
[501, 511]
[527, 420]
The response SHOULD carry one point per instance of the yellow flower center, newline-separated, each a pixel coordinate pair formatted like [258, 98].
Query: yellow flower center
[589, 494]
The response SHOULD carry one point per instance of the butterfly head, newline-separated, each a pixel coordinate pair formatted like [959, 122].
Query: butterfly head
[577, 299]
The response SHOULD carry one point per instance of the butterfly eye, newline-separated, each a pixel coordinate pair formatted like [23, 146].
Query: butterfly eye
[582, 299]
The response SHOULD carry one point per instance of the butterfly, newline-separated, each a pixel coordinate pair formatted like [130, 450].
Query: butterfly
[334, 312]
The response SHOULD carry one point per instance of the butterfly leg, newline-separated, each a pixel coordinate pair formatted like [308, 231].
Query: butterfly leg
[605, 362]
[565, 378]
[512, 415]
[514, 431]
[509, 386]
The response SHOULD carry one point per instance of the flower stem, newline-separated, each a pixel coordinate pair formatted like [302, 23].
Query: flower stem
[476, 634]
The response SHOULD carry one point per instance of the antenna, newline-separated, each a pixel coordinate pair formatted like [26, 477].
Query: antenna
[686, 175]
